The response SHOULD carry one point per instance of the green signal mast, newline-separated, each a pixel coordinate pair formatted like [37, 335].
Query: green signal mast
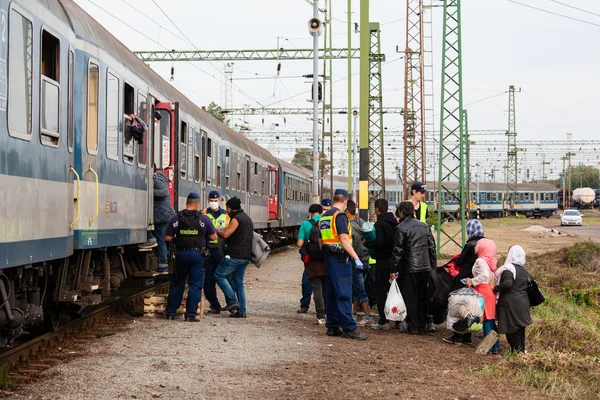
[451, 179]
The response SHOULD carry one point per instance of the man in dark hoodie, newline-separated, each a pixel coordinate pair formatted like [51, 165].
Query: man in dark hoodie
[383, 243]
[163, 210]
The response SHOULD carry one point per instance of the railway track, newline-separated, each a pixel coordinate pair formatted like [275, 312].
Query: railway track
[11, 360]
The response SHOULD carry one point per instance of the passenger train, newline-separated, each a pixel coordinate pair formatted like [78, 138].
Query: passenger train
[76, 188]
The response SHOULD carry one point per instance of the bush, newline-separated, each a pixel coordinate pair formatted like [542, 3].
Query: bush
[585, 256]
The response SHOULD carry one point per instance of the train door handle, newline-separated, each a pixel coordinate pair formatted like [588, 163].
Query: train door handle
[72, 224]
[97, 195]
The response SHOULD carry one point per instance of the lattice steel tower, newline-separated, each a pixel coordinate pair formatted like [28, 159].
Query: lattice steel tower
[512, 156]
[414, 128]
[451, 179]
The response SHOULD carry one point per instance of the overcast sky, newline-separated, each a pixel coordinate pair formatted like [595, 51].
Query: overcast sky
[554, 60]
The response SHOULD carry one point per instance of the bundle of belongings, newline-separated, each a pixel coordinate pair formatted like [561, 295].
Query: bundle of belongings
[465, 309]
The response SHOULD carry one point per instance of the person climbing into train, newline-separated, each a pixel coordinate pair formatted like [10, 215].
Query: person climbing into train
[312, 256]
[359, 293]
[163, 210]
[238, 239]
[337, 246]
[190, 231]
[464, 263]
[220, 219]
[307, 289]
[383, 244]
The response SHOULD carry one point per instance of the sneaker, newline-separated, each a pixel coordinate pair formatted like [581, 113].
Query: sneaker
[149, 244]
[231, 307]
[402, 326]
[170, 317]
[162, 270]
[321, 321]
[214, 311]
[192, 319]
[366, 321]
[237, 314]
[379, 327]
[466, 339]
[452, 340]
[354, 334]
[430, 327]
[302, 310]
[334, 332]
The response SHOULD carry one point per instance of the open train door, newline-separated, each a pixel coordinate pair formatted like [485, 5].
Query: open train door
[165, 146]
[273, 191]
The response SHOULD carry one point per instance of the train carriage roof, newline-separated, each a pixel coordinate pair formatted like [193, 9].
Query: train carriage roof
[90, 30]
[299, 171]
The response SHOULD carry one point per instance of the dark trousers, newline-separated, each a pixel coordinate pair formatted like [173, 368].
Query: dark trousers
[338, 294]
[318, 284]
[516, 340]
[210, 285]
[307, 291]
[382, 287]
[413, 287]
[189, 266]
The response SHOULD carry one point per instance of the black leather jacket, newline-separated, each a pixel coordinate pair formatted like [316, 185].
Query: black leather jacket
[414, 247]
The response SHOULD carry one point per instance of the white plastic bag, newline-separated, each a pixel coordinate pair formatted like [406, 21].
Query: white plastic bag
[463, 303]
[395, 309]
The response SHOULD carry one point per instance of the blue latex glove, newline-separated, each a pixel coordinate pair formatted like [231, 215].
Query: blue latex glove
[359, 264]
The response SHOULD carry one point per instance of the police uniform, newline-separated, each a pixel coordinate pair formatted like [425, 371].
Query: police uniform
[338, 299]
[189, 230]
[220, 219]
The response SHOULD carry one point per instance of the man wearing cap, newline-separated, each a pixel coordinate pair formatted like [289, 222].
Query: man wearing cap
[238, 238]
[220, 220]
[417, 195]
[190, 231]
[337, 246]
[326, 204]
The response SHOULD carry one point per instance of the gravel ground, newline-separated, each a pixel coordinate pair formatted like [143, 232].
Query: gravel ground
[274, 353]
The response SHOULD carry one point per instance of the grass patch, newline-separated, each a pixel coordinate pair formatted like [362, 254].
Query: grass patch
[564, 340]
[4, 382]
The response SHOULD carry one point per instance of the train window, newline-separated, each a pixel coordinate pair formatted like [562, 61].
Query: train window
[207, 171]
[248, 174]
[92, 108]
[196, 157]
[521, 197]
[239, 181]
[20, 68]
[112, 117]
[488, 196]
[128, 110]
[183, 149]
[50, 90]
[70, 121]
[162, 140]
[143, 114]
[255, 168]
[227, 168]
[494, 196]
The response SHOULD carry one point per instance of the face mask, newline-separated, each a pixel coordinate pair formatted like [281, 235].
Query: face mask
[214, 205]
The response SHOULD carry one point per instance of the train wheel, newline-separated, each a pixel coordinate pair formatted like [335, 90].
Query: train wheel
[52, 316]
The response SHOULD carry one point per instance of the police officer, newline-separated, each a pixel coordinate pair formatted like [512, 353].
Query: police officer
[220, 220]
[190, 231]
[417, 195]
[337, 244]
[326, 204]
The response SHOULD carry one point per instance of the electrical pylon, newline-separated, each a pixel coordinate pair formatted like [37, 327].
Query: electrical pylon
[512, 202]
[327, 133]
[451, 160]
[414, 129]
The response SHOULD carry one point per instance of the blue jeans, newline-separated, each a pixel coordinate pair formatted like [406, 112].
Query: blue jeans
[488, 326]
[359, 292]
[307, 291]
[159, 234]
[338, 294]
[189, 266]
[236, 268]
[210, 285]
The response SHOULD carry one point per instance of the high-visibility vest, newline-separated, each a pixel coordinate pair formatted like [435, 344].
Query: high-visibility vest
[422, 211]
[372, 261]
[221, 222]
[329, 234]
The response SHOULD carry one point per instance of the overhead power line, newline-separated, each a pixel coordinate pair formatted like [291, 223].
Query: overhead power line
[575, 8]
[553, 13]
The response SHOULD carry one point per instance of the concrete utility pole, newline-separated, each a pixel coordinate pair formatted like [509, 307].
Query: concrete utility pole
[365, 47]
[315, 27]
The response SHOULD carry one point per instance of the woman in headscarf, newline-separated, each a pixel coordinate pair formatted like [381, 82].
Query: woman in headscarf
[464, 262]
[513, 303]
[483, 282]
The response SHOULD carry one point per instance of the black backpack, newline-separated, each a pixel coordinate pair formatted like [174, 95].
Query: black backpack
[313, 249]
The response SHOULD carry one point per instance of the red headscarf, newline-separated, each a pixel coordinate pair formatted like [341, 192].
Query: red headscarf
[486, 250]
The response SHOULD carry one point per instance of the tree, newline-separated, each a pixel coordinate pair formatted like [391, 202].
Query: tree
[216, 111]
[304, 159]
[581, 176]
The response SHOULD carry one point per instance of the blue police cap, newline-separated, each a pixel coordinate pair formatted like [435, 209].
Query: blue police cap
[341, 191]
[214, 195]
[193, 196]
[326, 202]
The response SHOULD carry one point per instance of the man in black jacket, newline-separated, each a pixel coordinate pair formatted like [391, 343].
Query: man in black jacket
[412, 259]
[384, 239]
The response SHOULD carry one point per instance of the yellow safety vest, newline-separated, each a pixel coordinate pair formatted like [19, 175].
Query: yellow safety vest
[329, 234]
[221, 222]
[422, 211]
[372, 261]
